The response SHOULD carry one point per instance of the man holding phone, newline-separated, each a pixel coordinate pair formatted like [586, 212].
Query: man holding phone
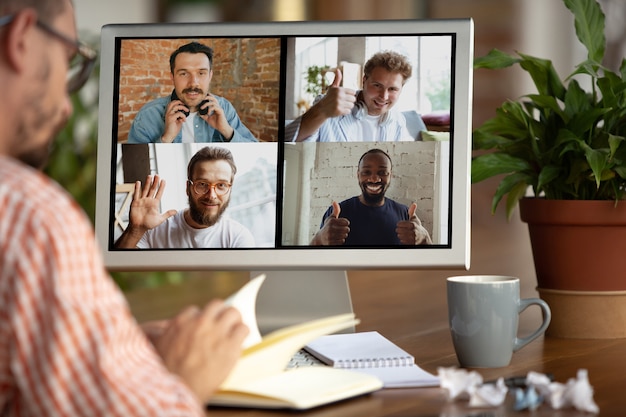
[191, 114]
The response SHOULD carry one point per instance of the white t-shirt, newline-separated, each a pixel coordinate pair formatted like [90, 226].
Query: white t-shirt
[176, 233]
[368, 129]
[189, 135]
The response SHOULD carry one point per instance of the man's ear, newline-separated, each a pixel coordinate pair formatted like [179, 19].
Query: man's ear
[18, 39]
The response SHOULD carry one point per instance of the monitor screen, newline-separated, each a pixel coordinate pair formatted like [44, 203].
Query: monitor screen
[219, 146]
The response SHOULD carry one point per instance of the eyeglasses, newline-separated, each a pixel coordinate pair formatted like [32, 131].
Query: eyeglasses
[83, 57]
[203, 187]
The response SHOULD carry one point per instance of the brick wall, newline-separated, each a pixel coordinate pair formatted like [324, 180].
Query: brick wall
[245, 71]
[413, 177]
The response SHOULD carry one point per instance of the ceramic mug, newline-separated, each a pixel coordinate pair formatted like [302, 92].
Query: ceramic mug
[483, 312]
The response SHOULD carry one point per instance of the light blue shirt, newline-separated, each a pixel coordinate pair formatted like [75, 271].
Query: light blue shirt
[345, 128]
[149, 125]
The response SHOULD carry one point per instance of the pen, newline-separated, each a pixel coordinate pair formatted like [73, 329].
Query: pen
[517, 381]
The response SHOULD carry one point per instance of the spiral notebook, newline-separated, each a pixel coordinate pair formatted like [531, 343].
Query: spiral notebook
[374, 354]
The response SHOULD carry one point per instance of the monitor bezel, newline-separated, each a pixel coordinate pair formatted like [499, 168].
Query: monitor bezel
[455, 255]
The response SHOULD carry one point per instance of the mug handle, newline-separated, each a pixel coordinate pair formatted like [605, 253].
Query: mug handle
[547, 316]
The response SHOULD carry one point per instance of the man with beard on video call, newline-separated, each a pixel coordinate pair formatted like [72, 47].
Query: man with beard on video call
[371, 219]
[210, 175]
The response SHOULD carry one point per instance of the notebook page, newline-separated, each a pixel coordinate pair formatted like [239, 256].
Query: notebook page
[359, 350]
[374, 354]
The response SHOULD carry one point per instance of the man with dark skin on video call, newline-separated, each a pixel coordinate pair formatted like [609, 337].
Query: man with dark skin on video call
[371, 218]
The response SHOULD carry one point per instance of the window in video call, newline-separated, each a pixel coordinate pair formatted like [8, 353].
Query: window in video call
[282, 188]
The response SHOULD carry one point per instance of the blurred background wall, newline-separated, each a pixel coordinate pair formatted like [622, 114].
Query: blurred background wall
[537, 27]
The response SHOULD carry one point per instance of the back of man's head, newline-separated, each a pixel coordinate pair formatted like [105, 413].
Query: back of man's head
[46, 9]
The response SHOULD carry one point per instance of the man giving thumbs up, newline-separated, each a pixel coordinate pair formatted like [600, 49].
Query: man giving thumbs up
[346, 115]
[371, 219]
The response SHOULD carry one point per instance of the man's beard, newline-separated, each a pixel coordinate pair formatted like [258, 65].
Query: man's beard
[373, 199]
[38, 157]
[199, 216]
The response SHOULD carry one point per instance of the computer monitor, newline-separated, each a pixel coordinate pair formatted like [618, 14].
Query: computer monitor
[271, 73]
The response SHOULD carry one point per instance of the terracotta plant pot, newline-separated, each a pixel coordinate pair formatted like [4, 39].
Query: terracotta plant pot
[579, 250]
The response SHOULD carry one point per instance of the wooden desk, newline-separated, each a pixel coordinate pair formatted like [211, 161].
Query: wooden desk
[411, 310]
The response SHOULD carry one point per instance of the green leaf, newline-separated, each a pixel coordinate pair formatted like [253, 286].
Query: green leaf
[597, 160]
[547, 175]
[546, 80]
[491, 164]
[514, 196]
[510, 186]
[589, 24]
[614, 143]
[495, 59]
[576, 99]
[621, 171]
[543, 103]
[482, 139]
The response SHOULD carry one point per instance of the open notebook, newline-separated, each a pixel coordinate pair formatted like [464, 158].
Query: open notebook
[259, 378]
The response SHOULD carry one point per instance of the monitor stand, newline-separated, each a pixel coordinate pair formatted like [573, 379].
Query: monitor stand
[291, 297]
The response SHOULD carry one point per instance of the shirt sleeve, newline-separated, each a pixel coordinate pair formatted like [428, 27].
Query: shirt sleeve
[293, 128]
[242, 133]
[68, 342]
[149, 124]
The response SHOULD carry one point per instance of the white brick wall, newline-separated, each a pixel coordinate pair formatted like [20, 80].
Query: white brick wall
[332, 176]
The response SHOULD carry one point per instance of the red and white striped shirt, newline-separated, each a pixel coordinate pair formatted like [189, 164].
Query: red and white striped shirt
[68, 343]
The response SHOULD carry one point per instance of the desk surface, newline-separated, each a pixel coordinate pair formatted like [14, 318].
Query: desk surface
[412, 312]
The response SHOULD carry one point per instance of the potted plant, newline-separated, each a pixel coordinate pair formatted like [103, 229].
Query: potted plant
[568, 146]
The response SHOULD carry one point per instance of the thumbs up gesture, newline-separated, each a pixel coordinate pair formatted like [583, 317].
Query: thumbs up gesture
[338, 100]
[411, 232]
[335, 229]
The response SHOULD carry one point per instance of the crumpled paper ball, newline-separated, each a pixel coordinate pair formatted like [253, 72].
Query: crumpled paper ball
[539, 388]
[459, 383]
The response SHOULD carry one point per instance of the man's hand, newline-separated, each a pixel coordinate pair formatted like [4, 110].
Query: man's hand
[335, 229]
[145, 208]
[215, 117]
[338, 101]
[411, 232]
[202, 346]
[174, 120]
[144, 212]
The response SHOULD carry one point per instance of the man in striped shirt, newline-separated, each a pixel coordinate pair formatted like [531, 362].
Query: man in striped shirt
[346, 115]
[68, 343]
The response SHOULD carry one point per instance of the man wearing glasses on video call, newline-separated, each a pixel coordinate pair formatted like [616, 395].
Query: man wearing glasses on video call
[210, 175]
[68, 342]
[191, 114]
[346, 115]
